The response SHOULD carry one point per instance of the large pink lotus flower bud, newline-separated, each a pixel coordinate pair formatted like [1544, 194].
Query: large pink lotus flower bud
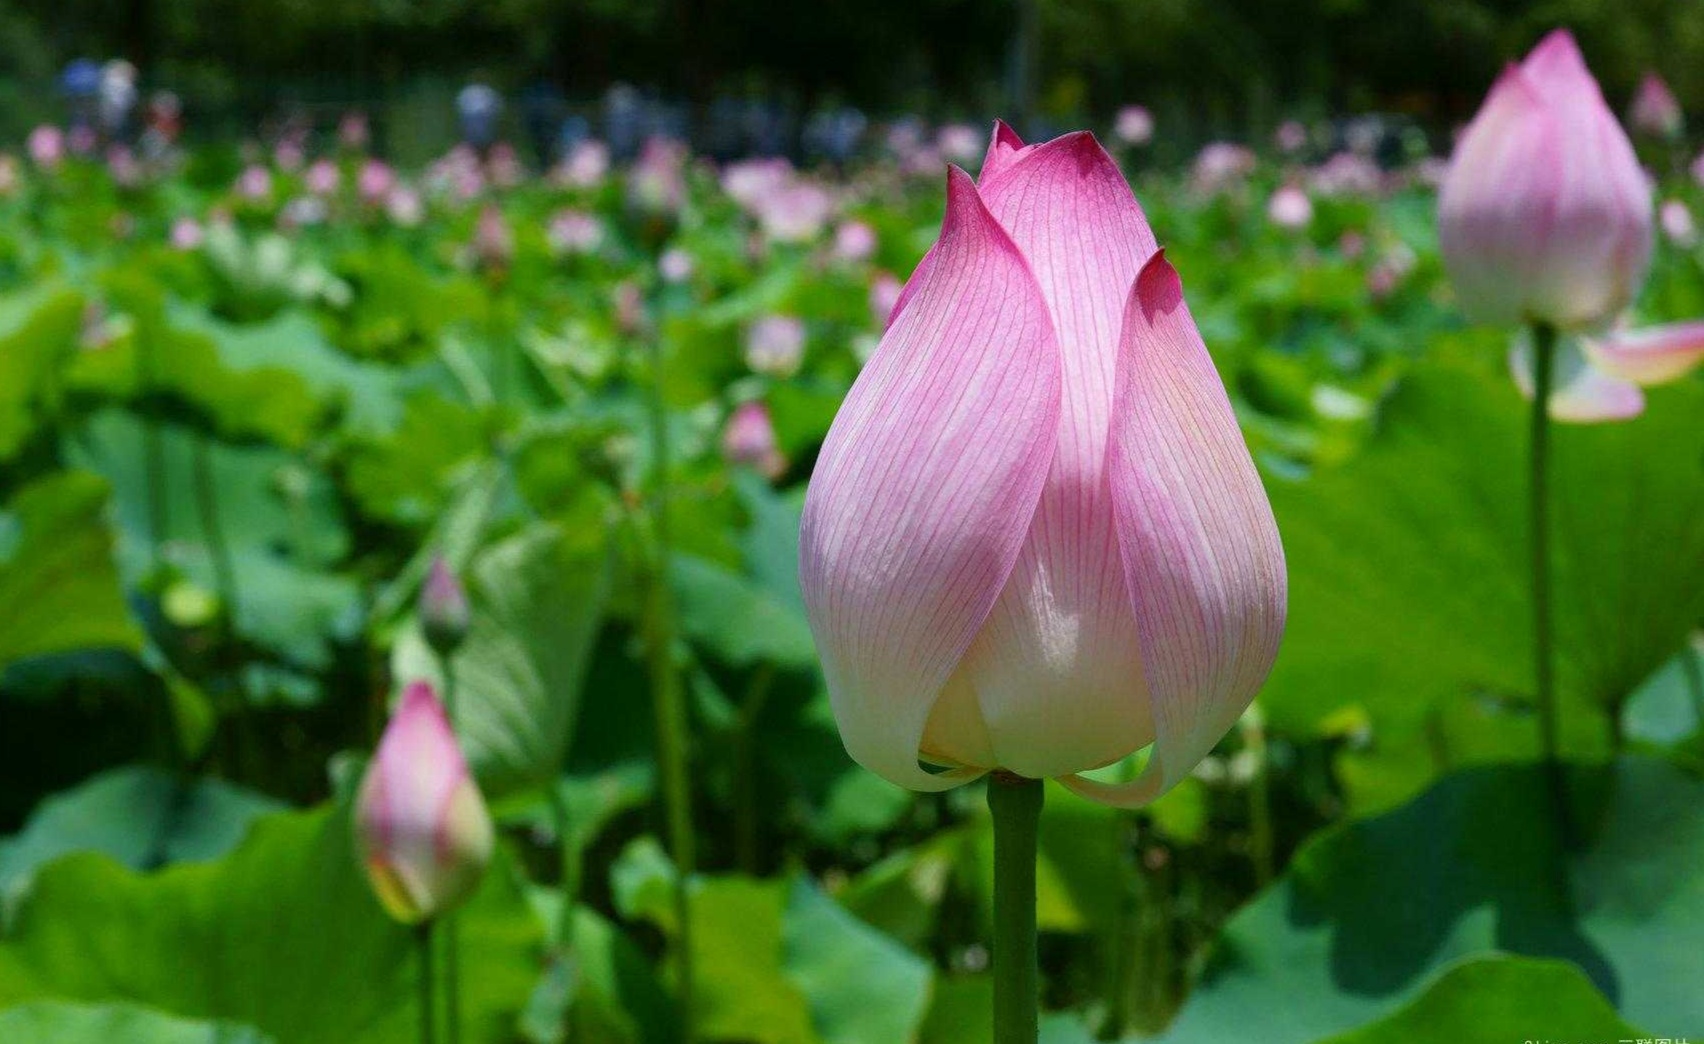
[421, 826]
[1655, 110]
[1545, 215]
[749, 440]
[1035, 540]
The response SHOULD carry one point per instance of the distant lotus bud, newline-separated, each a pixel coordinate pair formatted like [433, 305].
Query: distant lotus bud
[775, 345]
[493, 243]
[854, 241]
[574, 232]
[1348, 174]
[122, 165]
[1655, 110]
[323, 177]
[1291, 136]
[1289, 208]
[675, 266]
[352, 131]
[885, 292]
[1545, 215]
[629, 301]
[1134, 125]
[504, 166]
[1697, 169]
[255, 184]
[749, 182]
[421, 826]
[1676, 220]
[46, 146]
[187, 234]
[749, 440]
[375, 180]
[287, 156]
[82, 140]
[585, 166]
[657, 182]
[9, 176]
[960, 143]
[1220, 165]
[405, 207]
[796, 213]
[444, 613]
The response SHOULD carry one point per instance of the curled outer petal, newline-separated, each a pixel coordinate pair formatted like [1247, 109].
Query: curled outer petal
[925, 488]
[1581, 393]
[1201, 553]
[1650, 355]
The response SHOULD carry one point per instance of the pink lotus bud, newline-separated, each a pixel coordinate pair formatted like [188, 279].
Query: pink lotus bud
[46, 146]
[1289, 208]
[675, 266]
[796, 214]
[585, 166]
[1134, 125]
[493, 243]
[775, 345]
[854, 241]
[1035, 540]
[1599, 377]
[750, 182]
[352, 132]
[749, 440]
[405, 207]
[82, 140]
[123, 166]
[1676, 220]
[444, 613]
[375, 180]
[1290, 137]
[420, 823]
[885, 294]
[1545, 214]
[288, 156]
[1221, 165]
[574, 232]
[1655, 110]
[323, 177]
[255, 184]
[657, 183]
[504, 166]
[959, 143]
[187, 234]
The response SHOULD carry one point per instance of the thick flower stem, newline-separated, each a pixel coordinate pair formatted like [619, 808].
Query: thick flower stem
[1543, 377]
[428, 1001]
[667, 703]
[1016, 805]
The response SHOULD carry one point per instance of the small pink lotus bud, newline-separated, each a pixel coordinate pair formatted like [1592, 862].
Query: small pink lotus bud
[493, 243]
[795, 214]
[574, 232]
[1291, 136]
[1134, 125]
[749, 440]
[323, 177]
[854, 241]
[255, 184]
[1655, 110]
[675, 266]
[885, 292]
[585, 166]
[444, 613]
[1676, 220]
[421, 826]
[187, 234]
[405, 207]
[46, 146]
[775, 345]
[375, 180]
[960, 143]
[1221, 165]
[1289, 208]
[1545, 214]
[352, 130]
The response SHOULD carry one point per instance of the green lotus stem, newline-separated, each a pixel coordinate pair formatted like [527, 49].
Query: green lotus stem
[1016, 805]
[213, 531]
[745, 770]
[668, 707]
[1125, 934]
[1543, 377]
[428, 1002]
[451, 929]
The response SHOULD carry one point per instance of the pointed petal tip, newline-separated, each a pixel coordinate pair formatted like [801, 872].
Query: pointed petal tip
[1003, 134]
[1158, 289]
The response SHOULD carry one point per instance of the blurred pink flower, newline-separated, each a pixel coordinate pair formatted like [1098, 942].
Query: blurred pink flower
[504, 166]
[46, 146]
[574, 232]
[1347, 174]
[797, 213]
[775, 345]
[1289, 208]
[1221, 165]
[1134, 125]
[749, 440]
[585, 166]
[255, 184]
[352, 132]
[1545, 214]
[854, 240]
[405, 207]
[187, 234]
[287, 156]
[1291, 136]
[885, 292]
[1676, 220]
[675, 266]
[375, 181]
[322, 178]
[493, 243]
[751, 182]
[960, 143]
[1655, 111]
[1601, 377]
[657, 182]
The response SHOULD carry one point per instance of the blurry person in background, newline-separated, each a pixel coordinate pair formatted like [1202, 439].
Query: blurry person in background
[479, 108]
[81, 85]
[624, 121]
[117, 103]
